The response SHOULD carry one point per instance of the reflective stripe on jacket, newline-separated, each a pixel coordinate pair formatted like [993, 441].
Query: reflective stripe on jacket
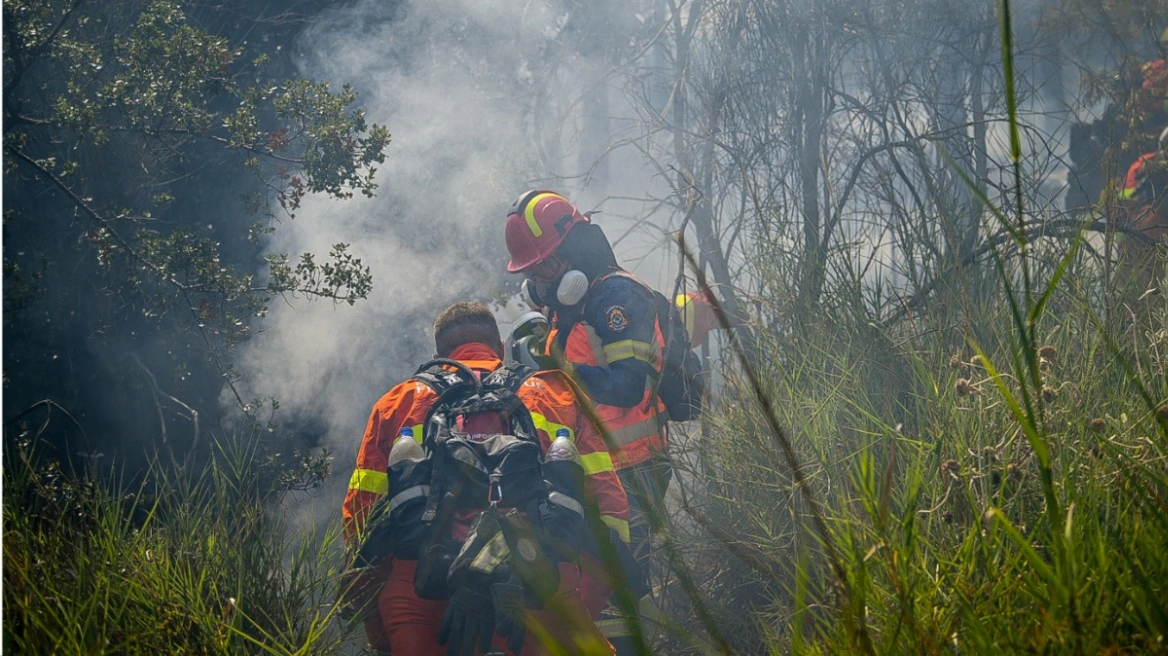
[636, 433]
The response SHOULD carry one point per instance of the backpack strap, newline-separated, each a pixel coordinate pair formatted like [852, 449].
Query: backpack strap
[438, 377]
[448, 384]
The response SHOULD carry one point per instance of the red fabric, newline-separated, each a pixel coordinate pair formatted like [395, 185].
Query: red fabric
[412, 623]
[594, 587]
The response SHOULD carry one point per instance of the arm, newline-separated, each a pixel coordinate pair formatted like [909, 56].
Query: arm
[370, 481]
[624, 317]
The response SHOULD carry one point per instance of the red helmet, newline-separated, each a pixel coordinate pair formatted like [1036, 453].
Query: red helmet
[536, 226]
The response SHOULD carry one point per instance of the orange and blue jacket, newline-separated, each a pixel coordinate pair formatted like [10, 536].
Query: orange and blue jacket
[546, 394]
[616, 348]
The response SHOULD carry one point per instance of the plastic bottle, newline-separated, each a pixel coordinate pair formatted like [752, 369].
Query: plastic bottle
[563, 448]
[405, 447]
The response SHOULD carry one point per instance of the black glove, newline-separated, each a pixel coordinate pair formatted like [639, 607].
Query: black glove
[507, 596]
[469, 622]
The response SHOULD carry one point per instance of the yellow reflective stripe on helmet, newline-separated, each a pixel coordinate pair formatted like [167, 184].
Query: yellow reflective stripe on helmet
[596, 463]
[369, 480]
[629, 348]
[550, 427]
[617, 524]
[529, 214]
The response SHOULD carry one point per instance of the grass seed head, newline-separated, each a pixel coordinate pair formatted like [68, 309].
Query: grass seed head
[1013, 473]
[955, 361]
[965, 388]
[1098, 424]
[1049, 394]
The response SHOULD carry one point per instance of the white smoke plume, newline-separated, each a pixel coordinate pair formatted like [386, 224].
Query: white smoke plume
[452, 80]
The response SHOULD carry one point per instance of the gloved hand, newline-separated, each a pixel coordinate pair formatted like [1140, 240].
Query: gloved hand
[510, 623]
[469, 622]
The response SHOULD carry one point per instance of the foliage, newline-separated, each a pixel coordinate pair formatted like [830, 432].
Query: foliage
[192, 564]
[132, 133]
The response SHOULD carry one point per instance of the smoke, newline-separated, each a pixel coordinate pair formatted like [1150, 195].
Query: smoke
[455, 81]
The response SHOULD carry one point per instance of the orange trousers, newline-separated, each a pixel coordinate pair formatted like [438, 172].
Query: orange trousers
[406, 625]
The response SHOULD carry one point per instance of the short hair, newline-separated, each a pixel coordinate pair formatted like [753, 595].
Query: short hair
[463, 323]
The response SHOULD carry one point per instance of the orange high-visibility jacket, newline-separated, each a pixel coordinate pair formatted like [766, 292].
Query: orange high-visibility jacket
[546, 394]
[636, 432]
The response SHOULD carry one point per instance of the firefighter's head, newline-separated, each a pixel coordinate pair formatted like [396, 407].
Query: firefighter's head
[556, 247]
[466, 322]
[537, 225]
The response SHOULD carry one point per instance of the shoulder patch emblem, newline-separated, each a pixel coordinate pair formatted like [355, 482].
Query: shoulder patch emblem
[614, 316]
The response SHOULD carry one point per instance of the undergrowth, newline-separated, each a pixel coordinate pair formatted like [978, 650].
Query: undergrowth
[176, 564]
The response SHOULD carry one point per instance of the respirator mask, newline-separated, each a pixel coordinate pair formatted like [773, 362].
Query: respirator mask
[553, 277]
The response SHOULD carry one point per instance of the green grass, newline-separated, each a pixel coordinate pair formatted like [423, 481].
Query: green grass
[202, 566]
[988, 474]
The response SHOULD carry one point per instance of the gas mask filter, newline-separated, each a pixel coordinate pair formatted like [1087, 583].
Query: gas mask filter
[573, 285]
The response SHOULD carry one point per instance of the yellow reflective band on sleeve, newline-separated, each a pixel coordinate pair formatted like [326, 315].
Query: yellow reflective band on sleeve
[529, 214]
[628, 348]
[1125, 194]
[417, 428]
[596, 463]
[617, 524]
[369, 480]
[550, 427]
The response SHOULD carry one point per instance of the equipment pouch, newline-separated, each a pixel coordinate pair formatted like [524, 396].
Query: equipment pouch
[528, 560]
[436, 554]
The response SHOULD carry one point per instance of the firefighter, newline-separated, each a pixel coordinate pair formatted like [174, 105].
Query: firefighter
[404, 624]
[607, 336]
[1142, 211]
[1145, 189]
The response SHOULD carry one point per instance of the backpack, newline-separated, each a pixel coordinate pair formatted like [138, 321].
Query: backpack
[464, 474]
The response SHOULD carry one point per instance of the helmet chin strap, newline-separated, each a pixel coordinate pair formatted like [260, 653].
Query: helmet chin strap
[573, 285]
